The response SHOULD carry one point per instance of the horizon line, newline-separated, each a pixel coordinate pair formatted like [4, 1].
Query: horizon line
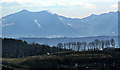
[60, 14]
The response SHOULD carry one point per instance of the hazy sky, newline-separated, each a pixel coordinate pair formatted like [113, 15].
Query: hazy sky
[68, 8]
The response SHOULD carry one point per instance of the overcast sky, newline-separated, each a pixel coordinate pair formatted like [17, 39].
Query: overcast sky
[68, 8]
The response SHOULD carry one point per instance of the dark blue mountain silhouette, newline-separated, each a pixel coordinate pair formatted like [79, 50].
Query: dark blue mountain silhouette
[46, 24]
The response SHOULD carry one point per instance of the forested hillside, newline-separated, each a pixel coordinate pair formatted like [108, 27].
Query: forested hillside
[17, 48]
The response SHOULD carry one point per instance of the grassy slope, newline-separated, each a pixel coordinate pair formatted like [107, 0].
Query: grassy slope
[55, 60]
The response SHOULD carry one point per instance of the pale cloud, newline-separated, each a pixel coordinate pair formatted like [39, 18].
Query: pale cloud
[7, 0]
[60, 0]
[82, 8]
[114, 6]
[77, 3]
[101, 0]
[47, 3]
[20, 1]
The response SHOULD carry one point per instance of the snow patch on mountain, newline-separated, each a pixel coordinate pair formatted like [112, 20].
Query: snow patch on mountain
[4, 25]
[48, 12]
[60, 18]
[66, 24]
[62, 21]
[36, 21]
[69, 24]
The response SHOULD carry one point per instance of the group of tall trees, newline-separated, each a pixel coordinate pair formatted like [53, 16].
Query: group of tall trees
[17, 48]
[94, 45]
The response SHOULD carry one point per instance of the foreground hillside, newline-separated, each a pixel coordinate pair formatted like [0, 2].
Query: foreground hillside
[12, 48]
[20, 55]
[83, 60]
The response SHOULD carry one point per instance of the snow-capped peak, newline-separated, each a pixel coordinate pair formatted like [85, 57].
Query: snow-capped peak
[48, 11]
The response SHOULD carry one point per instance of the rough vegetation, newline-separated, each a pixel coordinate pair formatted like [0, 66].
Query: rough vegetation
[17, 48]
[61, 58]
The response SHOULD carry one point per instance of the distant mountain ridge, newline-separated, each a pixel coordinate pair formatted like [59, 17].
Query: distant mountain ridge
[48, 24]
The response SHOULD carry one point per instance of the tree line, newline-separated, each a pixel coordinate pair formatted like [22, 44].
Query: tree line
[17, 48]
[94, 45]
[12, 48]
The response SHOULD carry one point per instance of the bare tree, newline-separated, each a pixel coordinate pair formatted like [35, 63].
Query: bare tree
[107, 43]
[84, 45]
[60, 46]
[112, 42]
[102, 44]
[74, 45]
[65, 45]
[90, 46]
[93, 45]
[97, 43]
[69, 44]
[78, 46]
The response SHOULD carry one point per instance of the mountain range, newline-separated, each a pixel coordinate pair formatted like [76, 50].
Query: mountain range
[48, 24]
